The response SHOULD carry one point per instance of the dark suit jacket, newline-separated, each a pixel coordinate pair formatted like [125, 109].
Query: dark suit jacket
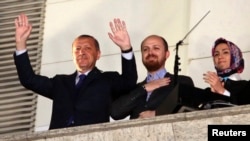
[93, 103]
[239, 95]
[239, 91]
[135, 102]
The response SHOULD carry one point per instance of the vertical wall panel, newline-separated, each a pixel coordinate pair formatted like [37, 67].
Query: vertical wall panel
[227, 18]
[17, 104]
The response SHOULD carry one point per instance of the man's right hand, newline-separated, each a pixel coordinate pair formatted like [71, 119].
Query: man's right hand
[146, 114]
[23, 30]
[120, 35]
[150, 86]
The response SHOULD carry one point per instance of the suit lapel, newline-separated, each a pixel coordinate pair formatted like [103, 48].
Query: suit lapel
[95, 73]
[71, 84]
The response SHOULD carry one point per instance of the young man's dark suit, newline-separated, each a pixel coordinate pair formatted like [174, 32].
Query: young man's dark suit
[135, 102]
[94, 100]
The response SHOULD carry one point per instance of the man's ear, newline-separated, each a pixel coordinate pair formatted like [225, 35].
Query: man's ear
[167, 54]
[98, 55]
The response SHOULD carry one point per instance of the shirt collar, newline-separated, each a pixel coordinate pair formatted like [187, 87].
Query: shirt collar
[78, 73]
[158, 75]
[234, 77]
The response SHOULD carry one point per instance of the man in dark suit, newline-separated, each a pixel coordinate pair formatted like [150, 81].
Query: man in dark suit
[92, 103]
[149, 94]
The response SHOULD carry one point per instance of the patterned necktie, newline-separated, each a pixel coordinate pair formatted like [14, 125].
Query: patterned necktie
[149, 79]
[81, 78]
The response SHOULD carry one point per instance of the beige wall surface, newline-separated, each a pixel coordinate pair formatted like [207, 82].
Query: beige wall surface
[227, 18]
[66, 19]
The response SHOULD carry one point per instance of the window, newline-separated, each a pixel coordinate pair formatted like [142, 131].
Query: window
[17, 104]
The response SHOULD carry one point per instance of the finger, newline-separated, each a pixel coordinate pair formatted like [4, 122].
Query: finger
[110, 36]
[141, 115]
[121, 25]
[168, 79]
[115, 24]
[214, 77]
[16, 23]
[25, 20]
[206, 77]
[118, 24]
[19, 20]
[112, 27]
[210, 76]
[207, 81]
[213, 74]
[124, 25]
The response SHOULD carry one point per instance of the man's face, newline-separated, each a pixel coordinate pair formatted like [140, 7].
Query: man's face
[85, 54]
[154, 54]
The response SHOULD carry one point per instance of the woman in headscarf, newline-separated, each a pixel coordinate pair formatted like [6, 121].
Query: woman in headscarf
[229, 63]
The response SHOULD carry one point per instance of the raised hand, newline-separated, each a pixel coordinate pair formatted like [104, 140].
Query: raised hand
[119, 34]
[23, 30]
[214, 81]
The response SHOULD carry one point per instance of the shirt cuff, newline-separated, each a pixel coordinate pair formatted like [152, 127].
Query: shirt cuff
[128, 55]
[226, 93]
[19, 52]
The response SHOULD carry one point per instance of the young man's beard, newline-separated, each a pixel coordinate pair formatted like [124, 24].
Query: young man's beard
[153, 65]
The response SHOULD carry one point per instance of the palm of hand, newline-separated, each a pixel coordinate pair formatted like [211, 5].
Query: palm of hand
[22, 33]
[121, 38]
[217, 86]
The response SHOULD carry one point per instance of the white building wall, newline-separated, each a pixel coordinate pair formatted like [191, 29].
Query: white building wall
[227, 18]
[66, 19]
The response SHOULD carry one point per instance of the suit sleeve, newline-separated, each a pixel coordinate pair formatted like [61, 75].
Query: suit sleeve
[186, 80]
[239, 91]
[129, 72]
[244, 94]
[27, 77]
[125, 82]
[123, 106]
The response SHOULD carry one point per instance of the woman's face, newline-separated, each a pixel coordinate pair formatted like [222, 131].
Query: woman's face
[222, 56]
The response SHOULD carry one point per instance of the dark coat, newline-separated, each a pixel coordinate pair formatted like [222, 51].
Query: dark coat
[93, 103]
[135, 102]
[205, 99]
[239, 91]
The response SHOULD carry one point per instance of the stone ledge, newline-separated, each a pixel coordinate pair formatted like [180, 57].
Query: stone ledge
[176, 127]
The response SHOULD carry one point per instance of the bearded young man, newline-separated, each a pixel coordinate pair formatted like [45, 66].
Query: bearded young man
[143, 101]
